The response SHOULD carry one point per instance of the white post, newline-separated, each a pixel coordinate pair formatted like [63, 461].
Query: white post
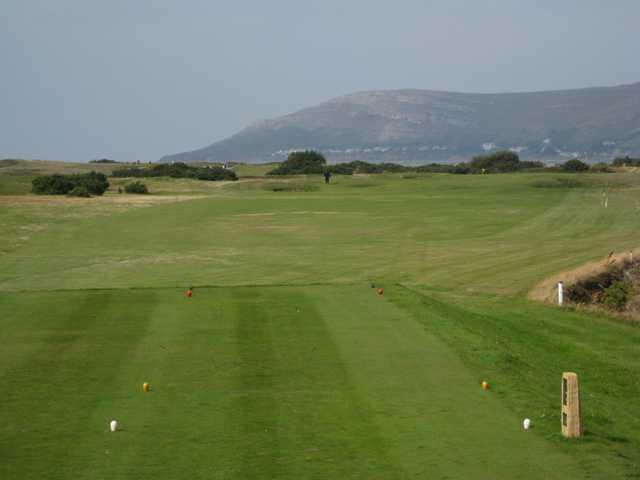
[560, 292]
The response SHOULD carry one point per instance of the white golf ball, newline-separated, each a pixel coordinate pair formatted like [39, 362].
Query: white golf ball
[526, 424]
[113, 425]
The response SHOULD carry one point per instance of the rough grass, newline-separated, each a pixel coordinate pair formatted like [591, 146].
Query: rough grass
[546, 290]
[523, 348]
[471, 232]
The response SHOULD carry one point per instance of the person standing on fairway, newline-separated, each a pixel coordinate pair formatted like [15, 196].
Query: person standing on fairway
[327, 176]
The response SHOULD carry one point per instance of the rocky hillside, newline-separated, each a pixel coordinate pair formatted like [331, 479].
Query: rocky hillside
[417, 126]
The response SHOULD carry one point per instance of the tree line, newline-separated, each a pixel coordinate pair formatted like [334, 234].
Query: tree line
[310, 162]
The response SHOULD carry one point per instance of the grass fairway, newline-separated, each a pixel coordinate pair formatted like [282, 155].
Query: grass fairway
[319, 382]
[285, 363]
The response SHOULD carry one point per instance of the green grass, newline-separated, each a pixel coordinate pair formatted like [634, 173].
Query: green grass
[475, 233]
[285, 364]
[16, 175]
[253, 170]
[315, 382]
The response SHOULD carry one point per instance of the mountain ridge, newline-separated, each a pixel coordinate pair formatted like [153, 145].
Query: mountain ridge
[417, 126]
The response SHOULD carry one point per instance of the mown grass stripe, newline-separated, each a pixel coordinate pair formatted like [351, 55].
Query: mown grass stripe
[72, 366]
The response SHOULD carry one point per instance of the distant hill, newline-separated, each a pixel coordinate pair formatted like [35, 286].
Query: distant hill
[416, 126]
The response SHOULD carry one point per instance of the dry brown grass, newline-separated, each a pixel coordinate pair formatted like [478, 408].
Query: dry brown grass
[115, 200]
[546, 290]
[38, 213]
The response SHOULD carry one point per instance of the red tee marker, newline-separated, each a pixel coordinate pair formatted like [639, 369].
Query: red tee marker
[189, 293]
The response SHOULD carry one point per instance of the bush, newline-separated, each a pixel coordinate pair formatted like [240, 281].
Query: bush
[299, 163]
[626, 162]
[79, 191]
[578, 294]
[214, 174]
[609, 288]
[359, 166]
[103, 160]
[178, 170]
[136, 187]
[498, 162]
[52, 185]
[339, 169]
[503, 161]
[574, 165]
[94, 182]
[616, 295]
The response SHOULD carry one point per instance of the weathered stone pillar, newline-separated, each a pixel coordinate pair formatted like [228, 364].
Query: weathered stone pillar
[571, 421]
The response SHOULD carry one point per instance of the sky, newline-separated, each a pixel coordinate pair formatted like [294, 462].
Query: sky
[138, 79]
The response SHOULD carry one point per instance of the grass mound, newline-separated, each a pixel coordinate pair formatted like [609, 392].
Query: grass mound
[617, 287]
[9, 162]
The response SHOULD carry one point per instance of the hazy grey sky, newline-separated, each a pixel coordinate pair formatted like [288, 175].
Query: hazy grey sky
[134, 79]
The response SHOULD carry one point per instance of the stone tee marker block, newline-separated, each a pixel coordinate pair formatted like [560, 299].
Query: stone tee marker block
[570, 419]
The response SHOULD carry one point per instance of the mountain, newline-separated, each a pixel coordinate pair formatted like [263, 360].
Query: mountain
[418, 126]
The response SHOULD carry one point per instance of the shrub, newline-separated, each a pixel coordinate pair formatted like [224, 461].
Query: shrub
[574, 165]
[95, 183]
[339, 169]
[103, 160]
[136, 187]
[578, 294]
[214, 174]
[79, 191]
[304, 162]
[626, 162]
[498, 162]
[178, 170]
[531, 165]
[52, 185]
[502, 161]
[610, 288]
[616, 295]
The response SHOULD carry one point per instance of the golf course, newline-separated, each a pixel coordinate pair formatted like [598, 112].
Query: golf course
[337, 330]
